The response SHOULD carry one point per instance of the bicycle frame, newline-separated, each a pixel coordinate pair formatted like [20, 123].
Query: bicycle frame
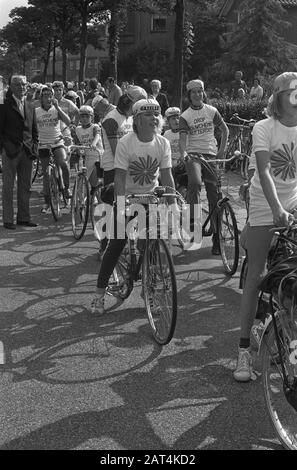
[208, 164]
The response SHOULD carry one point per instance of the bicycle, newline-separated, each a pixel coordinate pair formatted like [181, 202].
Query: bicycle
[57, 193]
[150, 260]
[36, 170]
[240, 144]
[226, 225]
[277, 304]
[83, 201]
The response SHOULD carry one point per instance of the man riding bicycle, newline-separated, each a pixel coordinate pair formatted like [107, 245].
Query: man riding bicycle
[197, 135]
[48, 117]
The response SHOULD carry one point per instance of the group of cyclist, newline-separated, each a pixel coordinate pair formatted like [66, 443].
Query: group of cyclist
[136, 151]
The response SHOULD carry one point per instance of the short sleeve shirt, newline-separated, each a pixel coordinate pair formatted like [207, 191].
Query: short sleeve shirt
[48, 125]
[281, 141]
[142, 161]
[199, 125]
[173, 138]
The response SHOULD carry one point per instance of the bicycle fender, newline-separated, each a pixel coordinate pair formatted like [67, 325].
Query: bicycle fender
[268, 326]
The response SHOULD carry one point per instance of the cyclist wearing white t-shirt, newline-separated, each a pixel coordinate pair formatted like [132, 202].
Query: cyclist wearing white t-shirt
[273, 196]
[141, 157]
[69, 108]
[172, 134]
[115, 125]
[48, 117]
[197, 126]
[89, 134]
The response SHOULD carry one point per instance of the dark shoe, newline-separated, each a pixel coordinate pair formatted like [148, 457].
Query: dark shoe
[9, 225]
[27, 224]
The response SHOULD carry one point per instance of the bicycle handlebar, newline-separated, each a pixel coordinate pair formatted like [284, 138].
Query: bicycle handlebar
[199, 156]
[243, 121]
[159, 192]
[83, 148]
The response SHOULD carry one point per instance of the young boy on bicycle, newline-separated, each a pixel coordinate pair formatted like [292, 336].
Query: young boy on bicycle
[48, 117]
[89, 134]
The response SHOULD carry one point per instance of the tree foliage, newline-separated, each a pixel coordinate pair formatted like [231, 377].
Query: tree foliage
[257, 43]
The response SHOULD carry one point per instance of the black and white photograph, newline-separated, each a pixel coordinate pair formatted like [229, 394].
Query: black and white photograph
[148, 229]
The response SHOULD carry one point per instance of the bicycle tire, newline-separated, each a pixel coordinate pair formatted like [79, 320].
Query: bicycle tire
[183, 237]
[235, 144]
[121, 285]
[282, 415]
[157, 263]
[34, 172]
[54, 192]
[244, 166]
[80, 206]
[95, 199]
[228, 237]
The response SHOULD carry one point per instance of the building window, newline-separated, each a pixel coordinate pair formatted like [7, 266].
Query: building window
[90, 63]
[158, 23]
[71, 65]
[34, 64]
[77, 65]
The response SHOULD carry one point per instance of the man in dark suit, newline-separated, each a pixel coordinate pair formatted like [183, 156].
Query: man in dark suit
[18, 143]
[160, 97]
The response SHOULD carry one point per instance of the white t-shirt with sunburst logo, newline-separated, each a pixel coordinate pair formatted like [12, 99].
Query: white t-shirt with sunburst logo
[281, 141]
[142, 161]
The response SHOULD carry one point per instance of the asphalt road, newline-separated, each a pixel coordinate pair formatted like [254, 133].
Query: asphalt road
[71, 381]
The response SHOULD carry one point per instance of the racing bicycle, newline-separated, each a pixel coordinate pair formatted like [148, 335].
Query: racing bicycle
[222, 213]
[84, 201]
[149, 259]
[277, 306]
[239, 143]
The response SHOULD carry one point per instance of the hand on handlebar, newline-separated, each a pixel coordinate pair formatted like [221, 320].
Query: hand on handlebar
[283, 218]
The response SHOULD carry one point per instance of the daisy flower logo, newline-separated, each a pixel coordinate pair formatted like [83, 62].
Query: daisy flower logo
[143, 170]
[283, 163]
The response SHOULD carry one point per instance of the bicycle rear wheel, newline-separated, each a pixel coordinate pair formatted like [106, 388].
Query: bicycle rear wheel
[35, 169]
[244, 166]
[228, 237]
[159, 290]
[54, 192]
[282, 415]
[80, 206]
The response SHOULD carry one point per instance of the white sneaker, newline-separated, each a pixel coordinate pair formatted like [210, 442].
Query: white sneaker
[243, 371]
[97, 304]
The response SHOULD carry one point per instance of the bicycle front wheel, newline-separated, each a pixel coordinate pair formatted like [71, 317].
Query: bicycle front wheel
[54, 193]
[159, 290]
[80, 206]
[228, 237]
[283, 416]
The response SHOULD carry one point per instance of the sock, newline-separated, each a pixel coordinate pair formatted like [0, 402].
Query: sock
[244, 343]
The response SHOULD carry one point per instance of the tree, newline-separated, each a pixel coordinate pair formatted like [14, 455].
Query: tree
[89, 10]
[28, 34]
[208, 32]
[257, 44]
[65, 22]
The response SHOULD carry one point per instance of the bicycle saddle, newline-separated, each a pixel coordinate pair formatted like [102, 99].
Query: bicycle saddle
[272, 279]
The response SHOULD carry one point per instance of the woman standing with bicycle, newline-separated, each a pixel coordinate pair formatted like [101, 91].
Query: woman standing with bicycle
[197, 135]
[48, 117]
[273, 196]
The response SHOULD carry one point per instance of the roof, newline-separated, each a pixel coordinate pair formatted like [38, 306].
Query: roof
[228, 4]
